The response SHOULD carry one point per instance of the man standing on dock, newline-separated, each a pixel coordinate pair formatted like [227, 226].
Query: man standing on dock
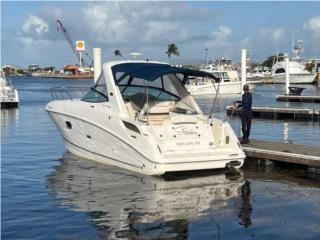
[245, 113]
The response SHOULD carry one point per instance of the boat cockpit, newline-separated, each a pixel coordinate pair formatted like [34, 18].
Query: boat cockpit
[151, 92]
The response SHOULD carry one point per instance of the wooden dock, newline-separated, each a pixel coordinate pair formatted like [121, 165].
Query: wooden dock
[283, 152]
[292, 98]
[281, 113]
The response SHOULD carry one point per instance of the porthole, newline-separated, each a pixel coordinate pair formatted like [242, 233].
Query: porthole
[68, 124]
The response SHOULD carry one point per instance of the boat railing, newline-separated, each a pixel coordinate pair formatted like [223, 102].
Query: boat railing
[68, 93]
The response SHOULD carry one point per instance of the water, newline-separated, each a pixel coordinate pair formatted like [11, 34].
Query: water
[50, 194]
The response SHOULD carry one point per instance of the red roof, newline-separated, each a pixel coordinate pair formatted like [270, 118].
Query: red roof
[70, 67]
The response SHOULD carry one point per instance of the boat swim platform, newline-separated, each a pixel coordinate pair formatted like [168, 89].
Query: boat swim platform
[293, 98]
[283, 152]
[281, 113]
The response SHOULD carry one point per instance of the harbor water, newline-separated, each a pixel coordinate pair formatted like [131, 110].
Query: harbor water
[47, 193]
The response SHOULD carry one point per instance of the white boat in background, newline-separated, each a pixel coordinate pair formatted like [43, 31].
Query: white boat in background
[297, 68]
[9, 95]
[297, 73]
[227, 85]
[259, 72]
[139, 116]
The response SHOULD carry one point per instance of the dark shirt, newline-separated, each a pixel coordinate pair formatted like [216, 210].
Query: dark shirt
[246, 103]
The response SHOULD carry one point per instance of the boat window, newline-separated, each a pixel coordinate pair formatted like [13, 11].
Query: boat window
[161, 89]
[144, 92]
[225, 77]
[168, 86]
[131, 127]
[280, 70]
[125, 79]
[97, 93]
[217, 75]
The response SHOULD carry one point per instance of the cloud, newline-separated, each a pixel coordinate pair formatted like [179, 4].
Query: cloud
[35, 25]
[137, 23]
[222, 34]
[33, 51]
[129, 26]
[222, 43]
[275, 35]
[313, 25]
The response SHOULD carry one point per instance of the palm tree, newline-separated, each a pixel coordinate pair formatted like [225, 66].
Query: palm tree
[117, 53]
[172, 50]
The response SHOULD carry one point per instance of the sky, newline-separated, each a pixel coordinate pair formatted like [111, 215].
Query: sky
[29, 32]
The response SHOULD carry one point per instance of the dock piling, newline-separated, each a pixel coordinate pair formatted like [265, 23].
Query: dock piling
[286, 59]
[243, 68]
[97, 64]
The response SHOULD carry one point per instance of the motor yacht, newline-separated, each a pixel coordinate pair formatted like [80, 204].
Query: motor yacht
[139, 116]
[297, 73]
[297, 68]
[229, 80]
[228, 83]
[9, 95]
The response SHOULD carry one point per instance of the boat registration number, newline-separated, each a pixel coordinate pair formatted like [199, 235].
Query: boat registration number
[188, 143]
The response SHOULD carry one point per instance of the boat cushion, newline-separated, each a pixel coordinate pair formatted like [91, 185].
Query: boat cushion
[159, 107]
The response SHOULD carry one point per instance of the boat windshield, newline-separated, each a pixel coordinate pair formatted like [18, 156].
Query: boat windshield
[98, 93]
[157, 82]
[161, 89]
[222, 75]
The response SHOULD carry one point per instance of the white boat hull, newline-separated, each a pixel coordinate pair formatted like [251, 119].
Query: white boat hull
[224, 88]
[8, 95]
[107, 141]
[299, 78]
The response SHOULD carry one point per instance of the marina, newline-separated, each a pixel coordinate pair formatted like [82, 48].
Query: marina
[160, 120]
[71, 192]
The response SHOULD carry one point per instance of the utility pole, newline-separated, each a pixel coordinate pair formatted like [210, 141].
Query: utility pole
[206, 55]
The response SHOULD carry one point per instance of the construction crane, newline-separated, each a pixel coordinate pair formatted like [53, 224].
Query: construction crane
[61, 28]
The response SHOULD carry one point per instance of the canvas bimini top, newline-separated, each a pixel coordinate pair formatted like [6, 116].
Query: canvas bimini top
[152, 71]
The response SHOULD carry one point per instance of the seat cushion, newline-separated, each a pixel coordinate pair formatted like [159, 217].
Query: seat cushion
[161, 107]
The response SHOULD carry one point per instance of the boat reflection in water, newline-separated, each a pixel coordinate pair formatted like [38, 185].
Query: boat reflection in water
[127, 205]
[9, 117]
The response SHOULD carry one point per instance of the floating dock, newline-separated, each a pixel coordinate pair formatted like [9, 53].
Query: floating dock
[281, 113]
[283, 152]
[292, 98]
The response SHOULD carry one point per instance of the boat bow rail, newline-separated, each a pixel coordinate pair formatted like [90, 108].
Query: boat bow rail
[68, 93]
